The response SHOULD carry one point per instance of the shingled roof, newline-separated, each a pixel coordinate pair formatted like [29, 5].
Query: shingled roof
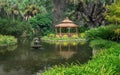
[66, 23]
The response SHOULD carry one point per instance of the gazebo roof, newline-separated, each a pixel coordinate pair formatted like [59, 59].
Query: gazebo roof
[66, 23]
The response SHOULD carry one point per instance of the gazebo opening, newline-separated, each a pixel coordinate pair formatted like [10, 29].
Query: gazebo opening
[66, 27]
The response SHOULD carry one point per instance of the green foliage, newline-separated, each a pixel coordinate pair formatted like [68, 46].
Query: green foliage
[58, 38]
[65, 36]
[16, 28]
[101, 44]
[82, 35]
[116, 34]
[83, 29]
[104, 32]
[51, 35]
[113, 13]
[107, 62]
[25, 8]
[42, 22]
[75, 36]
[31, 10]
[7, 40]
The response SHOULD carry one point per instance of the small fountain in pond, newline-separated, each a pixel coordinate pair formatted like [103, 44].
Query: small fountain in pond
[36, 43]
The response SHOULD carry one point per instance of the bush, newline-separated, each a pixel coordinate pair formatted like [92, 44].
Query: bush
[83, 29]
[51, 35]
[57, 36]
[75, 36]
[15, 28]
[82, 35]
[104, 32]
[101, 44]
[42, 22]
[7, 40]
[65, 36]
[116, 35]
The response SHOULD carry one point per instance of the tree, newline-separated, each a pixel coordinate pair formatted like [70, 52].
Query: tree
[41, 22]
[92, 11]
[113, 12]
[21, 9]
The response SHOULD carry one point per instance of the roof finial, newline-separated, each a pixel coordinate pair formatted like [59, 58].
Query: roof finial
[67, 18]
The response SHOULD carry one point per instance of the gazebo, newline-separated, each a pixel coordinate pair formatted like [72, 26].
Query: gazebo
[67, 24]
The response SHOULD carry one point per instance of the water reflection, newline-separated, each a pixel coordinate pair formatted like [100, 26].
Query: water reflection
[7, 48]
[25, 60]
[65, 49]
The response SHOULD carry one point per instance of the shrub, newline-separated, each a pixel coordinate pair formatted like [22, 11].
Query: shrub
[82, 35]
[83, 29]
[65, 36]
[42, 22]
[116, 36]
[15, 28]
[51, 35]
[104, 32]
[101, 44]
[75, 36]
[57, 36]
[7, 40]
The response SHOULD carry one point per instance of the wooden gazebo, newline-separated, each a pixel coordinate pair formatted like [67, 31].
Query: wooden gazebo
[68, 24]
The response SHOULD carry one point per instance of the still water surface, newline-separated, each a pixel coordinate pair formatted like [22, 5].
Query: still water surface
[21, 59]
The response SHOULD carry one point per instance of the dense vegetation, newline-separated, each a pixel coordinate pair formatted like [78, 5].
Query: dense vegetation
[105, 61]
[55, 38]
[28, 18]
[40, 16]
[111, 32]
[7, 40]
[113, 13]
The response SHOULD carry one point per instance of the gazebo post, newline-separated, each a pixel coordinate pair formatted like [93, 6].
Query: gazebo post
[69, 31]
[76, 30]
[67, 24]
[60, 31]
[56, 31]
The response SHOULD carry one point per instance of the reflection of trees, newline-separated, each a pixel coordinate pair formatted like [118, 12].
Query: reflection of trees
[7, 48]
[27, 59]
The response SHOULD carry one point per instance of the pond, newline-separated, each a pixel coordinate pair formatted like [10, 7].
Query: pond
[21, 59]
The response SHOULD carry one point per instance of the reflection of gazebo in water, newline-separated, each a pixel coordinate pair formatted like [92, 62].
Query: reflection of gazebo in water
[67, 24]
[66, 53]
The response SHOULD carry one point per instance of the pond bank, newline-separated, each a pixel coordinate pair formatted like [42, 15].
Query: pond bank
[103, 63]
[68, 39]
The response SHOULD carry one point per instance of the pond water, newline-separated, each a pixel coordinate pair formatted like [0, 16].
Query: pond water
[21, 59]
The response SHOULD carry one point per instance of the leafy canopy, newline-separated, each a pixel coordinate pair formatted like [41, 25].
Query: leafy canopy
[113, 13]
